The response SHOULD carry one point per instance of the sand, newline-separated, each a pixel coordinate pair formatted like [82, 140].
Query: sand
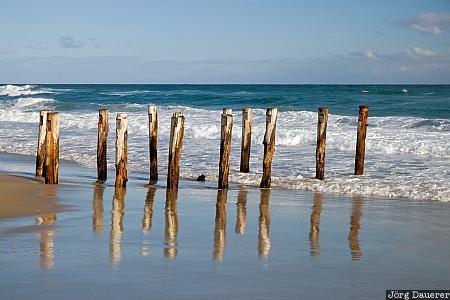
[200, 243]
[20, 196]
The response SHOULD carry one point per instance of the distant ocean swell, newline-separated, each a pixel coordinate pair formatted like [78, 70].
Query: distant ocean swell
[406, 156]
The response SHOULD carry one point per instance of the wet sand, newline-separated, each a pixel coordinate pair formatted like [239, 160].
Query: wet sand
[200, 243]
[22, 196]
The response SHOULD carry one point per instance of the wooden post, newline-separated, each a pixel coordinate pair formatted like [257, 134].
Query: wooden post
[102, 168]
[246, 140]
[321, 142]
[361, 140]
[225, 147]
[269, 146]
[121, 150]
[153, 142]
[40, 156]
[51, 164]
[175, 147]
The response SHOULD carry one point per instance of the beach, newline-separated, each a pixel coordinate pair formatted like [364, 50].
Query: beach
[201, 243]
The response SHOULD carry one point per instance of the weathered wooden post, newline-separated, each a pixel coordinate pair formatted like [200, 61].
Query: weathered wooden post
[246, 140]
[40, 156]
[51, 164]
[361, 140]
[225, 147]
[102, 168]
[121, 150]
[269, 146]
[153, 142]
[175, 147]
[321, 142]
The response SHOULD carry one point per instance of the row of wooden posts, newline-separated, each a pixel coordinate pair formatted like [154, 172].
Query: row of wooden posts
[47, 159]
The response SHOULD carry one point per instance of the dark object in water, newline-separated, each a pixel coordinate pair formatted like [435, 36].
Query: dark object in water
[201, 178]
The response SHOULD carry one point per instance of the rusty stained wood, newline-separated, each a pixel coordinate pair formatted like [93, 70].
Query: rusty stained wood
[121, 150]
[269, 147]
[361, 140]
[246, 141]
[40, 155]
[102, 138]
[321, 142]
[225, 147]
[51, 164]
[153, 142]
[175, 148]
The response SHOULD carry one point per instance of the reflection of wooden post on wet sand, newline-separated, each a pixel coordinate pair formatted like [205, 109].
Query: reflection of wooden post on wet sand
[117, 216]
[171, 229]
[147, 219]
[46, 241]
[241, 214]
[355, 225]
[97, 205]
[264, 224]
[315, 224]
[220, 227]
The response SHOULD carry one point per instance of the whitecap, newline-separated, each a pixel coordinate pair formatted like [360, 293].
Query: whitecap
[22, 90]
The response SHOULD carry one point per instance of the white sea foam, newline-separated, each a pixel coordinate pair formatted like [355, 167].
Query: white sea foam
[405, 157]
[31, 101]
[23, 90]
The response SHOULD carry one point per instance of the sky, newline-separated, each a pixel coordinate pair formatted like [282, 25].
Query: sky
[225, 41]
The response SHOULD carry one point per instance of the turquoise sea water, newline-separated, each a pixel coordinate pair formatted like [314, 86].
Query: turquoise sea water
[407, 150]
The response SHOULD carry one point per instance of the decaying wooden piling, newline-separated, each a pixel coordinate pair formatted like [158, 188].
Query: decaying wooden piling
[153, 142]
[40, 156]
[246, 141]
[121, 150]
[269, 146]
[102, 168]
[225, 147]
[175, 147]
[321, 142]
[51, 164]
[361, 140]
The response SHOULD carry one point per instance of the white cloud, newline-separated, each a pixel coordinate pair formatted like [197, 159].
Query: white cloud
[69, 42]
[370, 54]
[429, 23]
[422, 52]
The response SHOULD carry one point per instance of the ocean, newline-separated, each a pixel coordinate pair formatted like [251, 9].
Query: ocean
[407, 146]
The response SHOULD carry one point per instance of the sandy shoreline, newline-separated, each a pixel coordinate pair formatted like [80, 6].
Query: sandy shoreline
[22, 196]
[201, 243]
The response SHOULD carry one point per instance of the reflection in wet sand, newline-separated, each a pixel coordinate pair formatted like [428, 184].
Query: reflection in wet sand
[46, 241]
[171, 228]
[97, 205]
[315, 225]
[117, 216]
[241, 214]
[355, 225]
[147, 219]
[220, 228]
[264, 224]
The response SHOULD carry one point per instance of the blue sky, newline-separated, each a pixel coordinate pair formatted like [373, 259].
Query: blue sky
[225, 41]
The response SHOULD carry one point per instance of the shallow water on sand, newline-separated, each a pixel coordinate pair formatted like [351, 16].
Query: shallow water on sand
[201, 243]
